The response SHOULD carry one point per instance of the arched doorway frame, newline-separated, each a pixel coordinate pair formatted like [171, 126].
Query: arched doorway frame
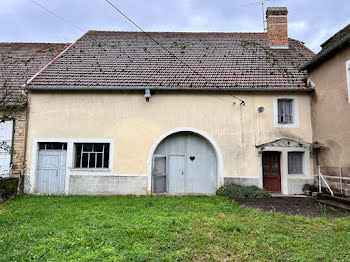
[217, 150]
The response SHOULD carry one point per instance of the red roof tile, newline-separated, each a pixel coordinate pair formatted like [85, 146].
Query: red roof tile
[104, 59]
[20, 61]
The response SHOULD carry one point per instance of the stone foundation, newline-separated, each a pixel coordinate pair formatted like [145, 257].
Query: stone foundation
[107, 185]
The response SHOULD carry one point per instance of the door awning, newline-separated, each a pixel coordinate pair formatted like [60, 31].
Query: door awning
[287, 142]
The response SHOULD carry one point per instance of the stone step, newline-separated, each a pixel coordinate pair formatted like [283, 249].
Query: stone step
[343, 200]
[334, 204]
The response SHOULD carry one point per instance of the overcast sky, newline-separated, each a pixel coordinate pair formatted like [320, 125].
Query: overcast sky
[311, 21]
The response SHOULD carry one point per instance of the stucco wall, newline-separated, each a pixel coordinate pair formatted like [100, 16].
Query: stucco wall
[135, 125]
[331, 110]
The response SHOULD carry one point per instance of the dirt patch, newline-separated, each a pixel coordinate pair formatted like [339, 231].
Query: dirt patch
[304, 206]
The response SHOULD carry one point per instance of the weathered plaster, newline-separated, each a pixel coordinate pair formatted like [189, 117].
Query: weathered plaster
[136, 127]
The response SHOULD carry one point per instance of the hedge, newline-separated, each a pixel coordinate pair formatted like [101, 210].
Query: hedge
[236, 191]
[8, 188]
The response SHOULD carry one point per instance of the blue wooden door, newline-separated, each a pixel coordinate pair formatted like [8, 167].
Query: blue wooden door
[191, 165]
[176, 174]
[201, 170]
[51, 172]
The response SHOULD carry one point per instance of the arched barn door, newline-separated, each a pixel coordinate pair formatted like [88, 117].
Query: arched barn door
[184, 163]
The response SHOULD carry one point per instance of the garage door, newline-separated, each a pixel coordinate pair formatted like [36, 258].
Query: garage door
[184, 163]
[51, 168]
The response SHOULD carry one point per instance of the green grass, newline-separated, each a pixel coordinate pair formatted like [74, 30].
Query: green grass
[122, 228]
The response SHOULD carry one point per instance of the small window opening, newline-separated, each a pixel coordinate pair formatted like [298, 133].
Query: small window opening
[92, 155]
[52, 146]
[285, 111]
[295, 162]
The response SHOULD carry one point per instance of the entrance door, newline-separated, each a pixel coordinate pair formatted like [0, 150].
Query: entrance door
[176, 174]
[271, 171]
[51, 171]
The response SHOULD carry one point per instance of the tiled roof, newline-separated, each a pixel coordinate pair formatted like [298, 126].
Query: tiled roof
[330, 47]
[105, 59]
[20, 61]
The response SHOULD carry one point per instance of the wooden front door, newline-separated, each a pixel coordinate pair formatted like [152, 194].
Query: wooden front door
[271, 171]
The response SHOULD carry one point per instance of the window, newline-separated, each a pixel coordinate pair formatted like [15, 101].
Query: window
[53, 146]
[295, 162]
[285, 111]
[91, 155]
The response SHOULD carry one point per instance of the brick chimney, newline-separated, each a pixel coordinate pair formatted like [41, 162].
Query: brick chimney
[277, 27]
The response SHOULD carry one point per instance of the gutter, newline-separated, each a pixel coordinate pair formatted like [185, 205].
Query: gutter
[322, 56]
[136, 88]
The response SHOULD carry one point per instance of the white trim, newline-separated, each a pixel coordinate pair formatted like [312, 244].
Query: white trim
[279, 46]
[348, 78]
[253, 177]
[277, 16]
[219, 157]
[47, 65]
[110, 175]
[53, 60]
[295, 123]
[70, 159]
[284, 165]
[283, 23]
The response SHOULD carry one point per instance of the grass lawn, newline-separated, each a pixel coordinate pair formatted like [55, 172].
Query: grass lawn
[124, 228]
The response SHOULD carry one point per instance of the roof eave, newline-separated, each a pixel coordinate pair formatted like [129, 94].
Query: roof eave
[320, 58]
[141, 88]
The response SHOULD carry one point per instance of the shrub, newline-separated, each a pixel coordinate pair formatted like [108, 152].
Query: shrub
[236, 191]
[8, 188]
[310, 188]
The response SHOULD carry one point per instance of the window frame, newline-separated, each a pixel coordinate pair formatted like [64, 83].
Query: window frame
[91, 168]
[295, 112]
[284, 102]
[302, 156]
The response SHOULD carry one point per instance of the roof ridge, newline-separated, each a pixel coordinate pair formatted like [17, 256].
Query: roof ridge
[334, 35]
[35, 43]
[169, 32]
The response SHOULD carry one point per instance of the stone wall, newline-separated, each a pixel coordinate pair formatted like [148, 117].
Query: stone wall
[19, 144]
[332, 176]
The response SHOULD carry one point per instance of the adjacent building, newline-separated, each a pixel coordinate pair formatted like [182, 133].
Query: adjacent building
[329, 74]
[18, 63]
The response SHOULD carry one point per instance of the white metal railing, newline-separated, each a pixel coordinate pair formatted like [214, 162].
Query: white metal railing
[320, 176]
[340, 181]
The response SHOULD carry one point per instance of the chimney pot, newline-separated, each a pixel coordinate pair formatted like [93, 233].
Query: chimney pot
[277, 27]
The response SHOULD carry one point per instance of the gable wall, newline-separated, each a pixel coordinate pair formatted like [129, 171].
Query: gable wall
[331, 110]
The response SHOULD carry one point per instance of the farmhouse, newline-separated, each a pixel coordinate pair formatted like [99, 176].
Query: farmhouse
[172, 113]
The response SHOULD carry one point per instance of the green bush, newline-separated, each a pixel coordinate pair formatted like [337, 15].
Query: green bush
[236, 191]
[8, 188]
[311, 188]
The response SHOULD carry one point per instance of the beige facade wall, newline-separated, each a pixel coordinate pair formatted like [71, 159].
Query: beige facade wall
[134, 125]
[331, 119]
[331, 110]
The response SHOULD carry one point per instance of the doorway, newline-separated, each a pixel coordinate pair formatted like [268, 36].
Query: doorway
[51, 172]
[271, 165]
